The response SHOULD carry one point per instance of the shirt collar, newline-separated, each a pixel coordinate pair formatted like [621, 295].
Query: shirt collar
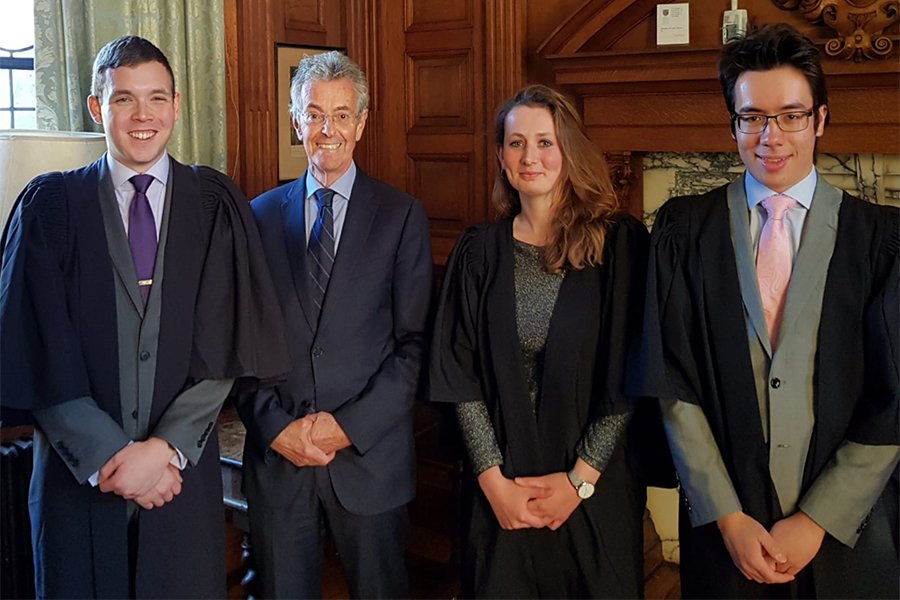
[120, 174]
[801, 191]
[343, 186]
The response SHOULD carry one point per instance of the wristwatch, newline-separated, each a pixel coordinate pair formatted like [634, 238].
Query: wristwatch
[584, 489]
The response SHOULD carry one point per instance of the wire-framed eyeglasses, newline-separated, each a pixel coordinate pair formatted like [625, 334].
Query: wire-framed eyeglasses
[318, 119]
[790, 121]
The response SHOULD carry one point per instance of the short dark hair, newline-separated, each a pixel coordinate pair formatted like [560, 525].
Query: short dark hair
[126, 51]
[769, 48]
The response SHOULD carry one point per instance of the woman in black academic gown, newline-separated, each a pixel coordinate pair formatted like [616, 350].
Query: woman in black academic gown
[536, 317]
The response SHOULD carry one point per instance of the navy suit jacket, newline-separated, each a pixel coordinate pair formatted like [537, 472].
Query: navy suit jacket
[362, 361]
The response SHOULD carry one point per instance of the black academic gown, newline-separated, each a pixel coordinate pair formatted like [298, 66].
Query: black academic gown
[695, 348]
[476, 355]
[58, 342]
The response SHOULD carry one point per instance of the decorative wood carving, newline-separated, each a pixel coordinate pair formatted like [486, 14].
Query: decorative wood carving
[860, 24]
[627, 178]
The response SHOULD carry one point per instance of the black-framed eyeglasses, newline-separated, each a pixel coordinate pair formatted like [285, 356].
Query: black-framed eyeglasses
[790, 121]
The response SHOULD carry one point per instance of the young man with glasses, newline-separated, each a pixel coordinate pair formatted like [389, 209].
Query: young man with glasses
[771, 341]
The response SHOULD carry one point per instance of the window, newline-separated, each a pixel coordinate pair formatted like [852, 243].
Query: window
[17, 95]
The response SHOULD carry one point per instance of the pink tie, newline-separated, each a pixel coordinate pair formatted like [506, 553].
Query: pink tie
[773, 262]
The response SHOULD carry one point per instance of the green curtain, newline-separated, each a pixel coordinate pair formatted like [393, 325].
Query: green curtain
[191, 33]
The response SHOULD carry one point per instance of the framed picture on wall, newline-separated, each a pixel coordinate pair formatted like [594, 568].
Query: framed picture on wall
[292, 160]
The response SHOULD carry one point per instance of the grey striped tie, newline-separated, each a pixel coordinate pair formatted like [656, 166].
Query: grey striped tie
[321, 249]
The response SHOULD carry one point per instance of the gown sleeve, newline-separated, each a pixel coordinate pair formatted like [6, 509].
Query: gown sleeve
[41, 361]
[665, 365]
[455, 370]
[239, 330]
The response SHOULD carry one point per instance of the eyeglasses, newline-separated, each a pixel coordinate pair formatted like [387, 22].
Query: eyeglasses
[318, 119]
[791, 121]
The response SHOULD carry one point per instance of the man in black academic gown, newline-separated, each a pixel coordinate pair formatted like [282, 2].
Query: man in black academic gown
[133, 292]
[771, 341]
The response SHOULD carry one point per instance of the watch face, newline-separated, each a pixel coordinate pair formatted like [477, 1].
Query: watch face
[585, 490]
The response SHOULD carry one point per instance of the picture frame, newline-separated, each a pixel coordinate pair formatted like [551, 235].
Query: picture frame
[292, 159]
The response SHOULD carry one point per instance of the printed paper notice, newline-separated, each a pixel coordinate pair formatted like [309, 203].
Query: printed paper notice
[672, 24]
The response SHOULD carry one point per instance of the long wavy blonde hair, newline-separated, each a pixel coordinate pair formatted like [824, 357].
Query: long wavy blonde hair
[585, 197]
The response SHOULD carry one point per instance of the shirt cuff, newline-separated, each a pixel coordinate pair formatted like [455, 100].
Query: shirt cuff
[179, 461]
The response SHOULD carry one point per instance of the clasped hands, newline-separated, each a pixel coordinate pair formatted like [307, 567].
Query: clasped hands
[311, 441]
[523, 502]
[142, 472]
[774, 556]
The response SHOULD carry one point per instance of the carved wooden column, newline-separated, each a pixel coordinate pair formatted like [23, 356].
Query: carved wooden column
[627, 174]
[504, 50]
[254, 100]
[360, 26]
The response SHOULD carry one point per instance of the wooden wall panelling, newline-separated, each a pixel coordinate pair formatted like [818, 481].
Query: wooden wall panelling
[428, 15]
[442, 93]
[312, 23]
[437, 71]
[305, 15]
[444, 66]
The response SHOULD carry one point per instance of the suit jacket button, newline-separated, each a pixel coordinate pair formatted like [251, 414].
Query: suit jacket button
[317, 351]
[134, 414]
[145, 355]
[775, 383]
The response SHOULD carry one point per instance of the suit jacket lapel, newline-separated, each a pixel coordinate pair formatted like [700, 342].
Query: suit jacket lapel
[354, 244]
[739, 218]
[119, 250]
[293, 214]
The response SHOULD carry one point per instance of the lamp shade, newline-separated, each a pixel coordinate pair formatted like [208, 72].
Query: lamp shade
[25, 154]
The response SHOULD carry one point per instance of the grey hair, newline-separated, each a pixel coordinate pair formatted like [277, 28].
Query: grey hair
[328, 67]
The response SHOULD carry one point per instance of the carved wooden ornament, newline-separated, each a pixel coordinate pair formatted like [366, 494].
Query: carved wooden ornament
[860, 24]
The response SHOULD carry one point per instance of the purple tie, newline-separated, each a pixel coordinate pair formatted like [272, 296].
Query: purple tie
[142, 233]
[774, 261]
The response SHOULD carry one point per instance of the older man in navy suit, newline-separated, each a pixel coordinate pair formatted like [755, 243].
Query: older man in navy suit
[351, 257]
